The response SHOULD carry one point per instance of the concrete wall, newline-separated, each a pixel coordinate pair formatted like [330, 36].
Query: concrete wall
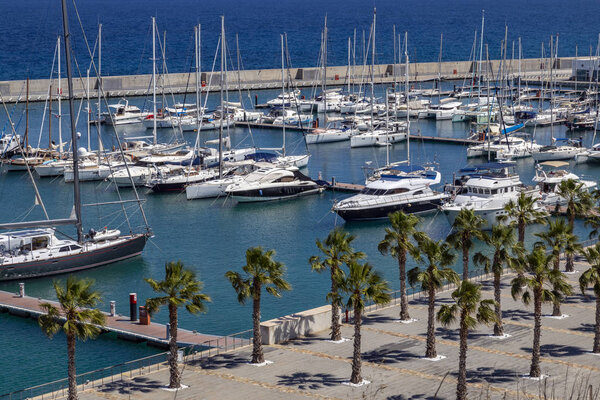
[132, 85]
[301, 324]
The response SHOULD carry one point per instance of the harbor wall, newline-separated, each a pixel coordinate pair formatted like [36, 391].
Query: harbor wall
[283, 329]
[141, 85]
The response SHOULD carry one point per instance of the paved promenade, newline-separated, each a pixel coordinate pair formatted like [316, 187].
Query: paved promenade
[316, 368]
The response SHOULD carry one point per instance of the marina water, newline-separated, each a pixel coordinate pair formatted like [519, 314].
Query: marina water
[211, 235]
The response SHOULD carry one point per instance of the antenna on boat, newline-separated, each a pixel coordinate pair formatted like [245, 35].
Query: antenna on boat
[76, 191]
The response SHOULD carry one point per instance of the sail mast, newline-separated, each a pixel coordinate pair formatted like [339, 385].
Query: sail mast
[153, 80]
[59, 95]
[100, 149]
[325, 72]
[283, 93]
[198, 74]
[222, 83]
[407, 101]
[27, 118]
[76, 193]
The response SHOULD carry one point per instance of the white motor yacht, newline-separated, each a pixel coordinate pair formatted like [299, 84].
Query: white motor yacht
[556, 151]
[379, 137]
[266, 184]
[547, 181]
[124, 114]
[398, 188]
[486, 190]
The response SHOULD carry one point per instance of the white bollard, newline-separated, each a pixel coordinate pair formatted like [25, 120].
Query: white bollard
[113, 308]
[21, 289]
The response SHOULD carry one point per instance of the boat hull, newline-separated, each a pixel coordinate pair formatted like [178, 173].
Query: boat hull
[383, 211]
[272, 194]
[131, 247]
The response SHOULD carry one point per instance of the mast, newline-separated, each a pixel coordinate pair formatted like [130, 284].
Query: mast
[87, 95]
[60, 142]
[198, 100]
[98, 124]
[349, 76]
[373, 71]
[222, 83]
[519, 93]
[50, 119]
[283, 94]
[153, 80]
[76, 193]
[407, 100]
[324, 73]
[480, 54]
[27, 118]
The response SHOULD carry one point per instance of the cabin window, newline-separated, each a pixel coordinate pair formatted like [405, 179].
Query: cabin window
[75, 247]
[397, 191]
[39, 242]
[487, 191]
[418, 192]
[63, 249]
[494, 191]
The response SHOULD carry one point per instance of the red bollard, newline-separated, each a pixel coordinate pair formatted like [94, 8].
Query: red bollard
[132, 307]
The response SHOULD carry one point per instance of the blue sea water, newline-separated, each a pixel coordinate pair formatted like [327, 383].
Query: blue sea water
[29, 30]
[211, 235]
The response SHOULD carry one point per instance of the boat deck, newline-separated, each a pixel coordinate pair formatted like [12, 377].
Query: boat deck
[461, 141]
[154, 334]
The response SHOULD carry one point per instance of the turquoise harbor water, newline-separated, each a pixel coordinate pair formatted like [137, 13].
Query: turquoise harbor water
[211, 235]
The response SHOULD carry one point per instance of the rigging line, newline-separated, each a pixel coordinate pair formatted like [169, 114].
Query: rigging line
[101, 90]
[47, 100]
[37, 193]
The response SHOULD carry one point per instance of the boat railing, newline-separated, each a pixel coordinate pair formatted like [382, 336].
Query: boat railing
[189, 355]
[385, 199]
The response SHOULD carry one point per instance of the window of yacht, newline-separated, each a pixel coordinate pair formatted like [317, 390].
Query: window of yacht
[486, 191]
[63, 249]
[75, 247]
[398, 191]
[40, 242]
[418, 192]
[494, 191]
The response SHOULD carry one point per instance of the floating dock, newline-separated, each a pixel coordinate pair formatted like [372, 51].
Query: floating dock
[306, 128]
[154, 333]
[461, 141]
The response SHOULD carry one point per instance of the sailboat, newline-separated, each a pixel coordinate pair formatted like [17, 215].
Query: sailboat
[378, 135]
[395, 187]
[38, 251]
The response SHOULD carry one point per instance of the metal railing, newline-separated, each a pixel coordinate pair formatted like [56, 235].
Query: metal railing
[131, 369]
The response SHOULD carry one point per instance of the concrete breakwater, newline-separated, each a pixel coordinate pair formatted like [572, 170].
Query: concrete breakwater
[178, 83]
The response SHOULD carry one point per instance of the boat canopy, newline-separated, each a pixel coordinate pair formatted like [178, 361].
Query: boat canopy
[488, 166]
[554, 164]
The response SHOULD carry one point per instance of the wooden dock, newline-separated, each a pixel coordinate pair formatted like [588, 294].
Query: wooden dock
[154, 334]
[450, 140]
[305, 127]
[341, 186]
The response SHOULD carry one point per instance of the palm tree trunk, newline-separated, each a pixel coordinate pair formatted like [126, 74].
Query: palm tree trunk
[521, 228]
[72, 371]
[465, 257]
[597, 327]
[498, 327]
[461, 387]
[257, 352]
[404, 316]
[175, 379]
[556, 312]
[336, 332]
[356, 357]
[534, 372]
[570, 265]
[430, 349]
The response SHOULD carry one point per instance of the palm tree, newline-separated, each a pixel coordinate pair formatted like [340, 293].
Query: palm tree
[76, 317]
[579, 203]
[524, 212]
[261, 270]
[542, 281]
[337, 250]
[180, 287]
[559, 237]
[506, 248]
[466, 227]
[591, 277]
[398, 243]
[438, 256]
[362, 284]
[471, 311]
